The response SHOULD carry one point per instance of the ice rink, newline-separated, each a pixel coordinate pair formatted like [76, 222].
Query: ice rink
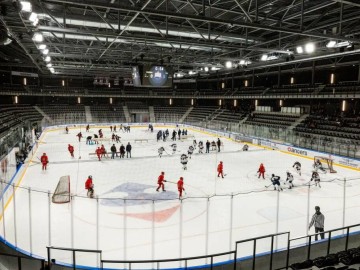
[131, 221]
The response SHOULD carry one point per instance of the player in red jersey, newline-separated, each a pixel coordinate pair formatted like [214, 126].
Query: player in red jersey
[180, 186]
[89, 186]
[44, 161]
[220, 169]
[98, 152]
[161, 180]
[261, 171]
[71, 150]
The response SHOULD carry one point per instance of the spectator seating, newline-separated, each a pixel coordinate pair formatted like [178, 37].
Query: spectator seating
[272, 119]
[199, 114]
[169, 114]
[62, 114]
[107, 114]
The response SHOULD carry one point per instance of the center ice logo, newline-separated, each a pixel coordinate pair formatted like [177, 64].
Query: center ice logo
[137, 196]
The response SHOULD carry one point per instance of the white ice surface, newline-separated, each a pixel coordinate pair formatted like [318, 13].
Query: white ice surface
[168, 228]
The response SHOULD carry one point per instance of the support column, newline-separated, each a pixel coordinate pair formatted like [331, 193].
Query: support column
[313, 73]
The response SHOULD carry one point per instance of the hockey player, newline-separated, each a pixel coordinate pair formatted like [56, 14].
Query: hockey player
[103, 151]
[184, 161]
[111, 128]
[161, 180]
[71, 150]
[98, 152]
[101, 134]
[201, 147]
[88, 140]
[174, 146]
[66, 130]
[290, 179]
[87, 128]
[207, 147]
[275, 180]
[245, 147]
[44, 161]
[297, 167]
[113, 137]
[220, 169]
[190, 151]
[121, 128]
[79, 135]
[180, 186]
[161, 151]
[194, 144]
[316, 177]
[213, 146]
[318, 166]
[89, 186]
[261, 171]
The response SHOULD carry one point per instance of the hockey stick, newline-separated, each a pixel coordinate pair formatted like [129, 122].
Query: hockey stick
[269, 186]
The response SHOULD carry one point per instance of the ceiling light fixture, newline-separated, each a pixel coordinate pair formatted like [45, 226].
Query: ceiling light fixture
[310, 47]
[299, 50]
[38, 37]
[331, 44]
[47, 59]
[25, 6]
[228, 64]
[264, 57]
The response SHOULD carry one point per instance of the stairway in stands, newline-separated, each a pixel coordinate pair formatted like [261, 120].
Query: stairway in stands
[88, 114]
[152, 114]
[185, 115]
[127, 114]
[47, 118]
[298, 121]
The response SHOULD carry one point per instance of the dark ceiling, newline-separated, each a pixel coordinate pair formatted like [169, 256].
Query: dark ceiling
[92, 37]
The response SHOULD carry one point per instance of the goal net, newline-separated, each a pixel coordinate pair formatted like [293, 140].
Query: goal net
[327, 163]
[62, 191]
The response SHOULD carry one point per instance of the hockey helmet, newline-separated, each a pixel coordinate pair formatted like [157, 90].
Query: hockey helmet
[181, 178]
[90, 176]
[162, 173]
[44, 154]
[272, 175]
[221, 162]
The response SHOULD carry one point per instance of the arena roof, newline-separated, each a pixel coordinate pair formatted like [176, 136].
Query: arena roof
[92, 37]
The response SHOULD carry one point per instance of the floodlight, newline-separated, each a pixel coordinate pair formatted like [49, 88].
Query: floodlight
[228, 64]
[310, 47]
[42, 47]
[33, 17]
[45, 52]
[206, 69]
[331, 44]
[38, 37]
[242, 62]
[191, 72]
[52, 70]
[213, 68]
[299, 49]
[264, 57]
[25, 6]
[49, 65]
[47, 59]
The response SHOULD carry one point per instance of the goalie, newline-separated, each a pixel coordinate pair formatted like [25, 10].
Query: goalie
[89, 186]
[245, 147]
[318, 166]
